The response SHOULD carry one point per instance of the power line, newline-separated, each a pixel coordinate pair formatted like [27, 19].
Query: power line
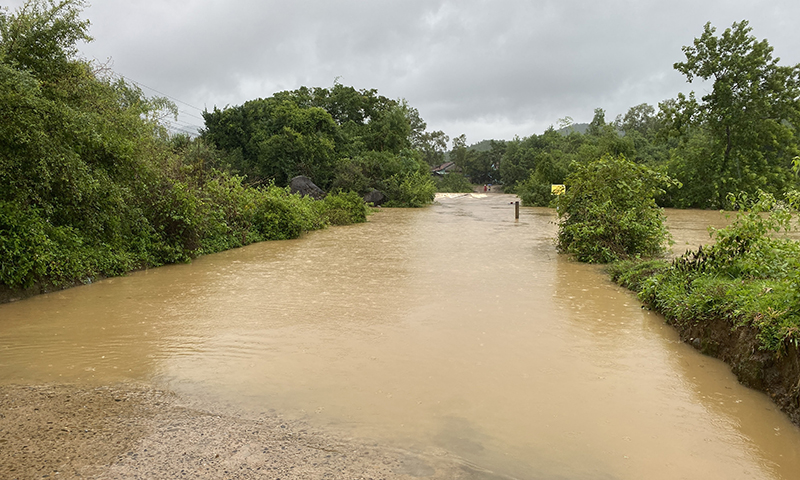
[175, 126]
[177, 129]
[185, 124]
[160, 93]
[187, 129]
[190, 115]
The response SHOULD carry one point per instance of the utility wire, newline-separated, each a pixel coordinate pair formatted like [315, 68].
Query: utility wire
[173, 125]
[190, 115]
[160, 93]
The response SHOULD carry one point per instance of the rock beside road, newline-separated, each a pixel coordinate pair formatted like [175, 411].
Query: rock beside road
[375, 197]
[305, 187]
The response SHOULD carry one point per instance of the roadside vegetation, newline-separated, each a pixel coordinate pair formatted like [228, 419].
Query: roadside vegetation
[92, 184]
[741, 136]
[749, 276]
[736, 148]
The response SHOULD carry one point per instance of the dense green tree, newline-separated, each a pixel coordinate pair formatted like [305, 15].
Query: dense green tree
[389, 131]
[74, 190]
[70, 151]
[453, 182]
[274, 139]
[334, 136]
[540, 160]
[459, 152]
[517, 163]
[643, 128]
[404, 178]
[641, 118]
[481, 167]
[551, 168]
[367, 121]
[42, 37]
[604, 138]
[529, 166]
[432, 146]
[743, 134]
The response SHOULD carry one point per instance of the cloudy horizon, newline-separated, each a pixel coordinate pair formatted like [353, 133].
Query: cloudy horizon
[484, 69]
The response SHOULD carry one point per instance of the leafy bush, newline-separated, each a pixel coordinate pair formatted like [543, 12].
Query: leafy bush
[404, 178]
[274, 219]
[24, 245]
[174, 212]
[609, 213]
[414, 190]
[344, 208]
[227, 222]
[534, 193]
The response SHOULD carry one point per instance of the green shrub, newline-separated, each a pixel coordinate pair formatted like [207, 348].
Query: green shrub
[412, 190]
[24, 245]
[273, 216]
[609, 213]
[534, 193]
[404, 178]
[174, 211]
[344, 208]
[91, 184]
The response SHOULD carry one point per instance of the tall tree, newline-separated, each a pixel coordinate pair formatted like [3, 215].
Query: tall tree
[750, 118]
[432, 146]
[309, 130]
[643, 128]
[42, 36]
[275, 139]
[459, 152]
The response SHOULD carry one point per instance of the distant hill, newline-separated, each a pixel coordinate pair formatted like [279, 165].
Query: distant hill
[482, 146]
[575, 127]
[486, 145]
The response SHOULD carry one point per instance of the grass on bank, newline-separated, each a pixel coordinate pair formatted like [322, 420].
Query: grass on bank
[750, 277]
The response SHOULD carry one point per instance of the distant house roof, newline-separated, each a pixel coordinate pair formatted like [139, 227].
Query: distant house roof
[443, 168]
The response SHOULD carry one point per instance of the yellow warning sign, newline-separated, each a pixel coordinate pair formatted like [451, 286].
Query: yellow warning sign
[557, 189]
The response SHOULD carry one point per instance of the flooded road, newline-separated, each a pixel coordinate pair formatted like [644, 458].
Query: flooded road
[447, 331]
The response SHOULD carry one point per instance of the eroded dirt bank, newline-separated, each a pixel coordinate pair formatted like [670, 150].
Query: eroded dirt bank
[776, 374]
[135, 432]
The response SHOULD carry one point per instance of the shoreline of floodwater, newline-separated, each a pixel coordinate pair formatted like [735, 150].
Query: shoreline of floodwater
[136, 431]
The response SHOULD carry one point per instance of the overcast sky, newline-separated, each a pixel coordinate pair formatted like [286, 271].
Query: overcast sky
[488, 69]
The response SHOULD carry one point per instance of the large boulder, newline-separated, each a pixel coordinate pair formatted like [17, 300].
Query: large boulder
[305, 187]
[375, 197]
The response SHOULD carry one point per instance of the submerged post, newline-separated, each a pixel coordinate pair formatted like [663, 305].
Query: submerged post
[516, 210]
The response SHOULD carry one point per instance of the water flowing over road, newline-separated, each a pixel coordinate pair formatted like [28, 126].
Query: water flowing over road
[452, 330]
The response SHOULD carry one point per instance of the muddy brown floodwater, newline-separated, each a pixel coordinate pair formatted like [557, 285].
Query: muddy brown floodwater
[448, 331]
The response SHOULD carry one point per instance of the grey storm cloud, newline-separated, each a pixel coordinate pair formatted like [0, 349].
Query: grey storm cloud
[490, 69]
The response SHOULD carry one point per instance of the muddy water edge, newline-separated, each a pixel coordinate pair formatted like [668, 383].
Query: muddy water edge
[451, 331]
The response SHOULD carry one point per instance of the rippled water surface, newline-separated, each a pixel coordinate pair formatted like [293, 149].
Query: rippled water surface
[452, 330]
